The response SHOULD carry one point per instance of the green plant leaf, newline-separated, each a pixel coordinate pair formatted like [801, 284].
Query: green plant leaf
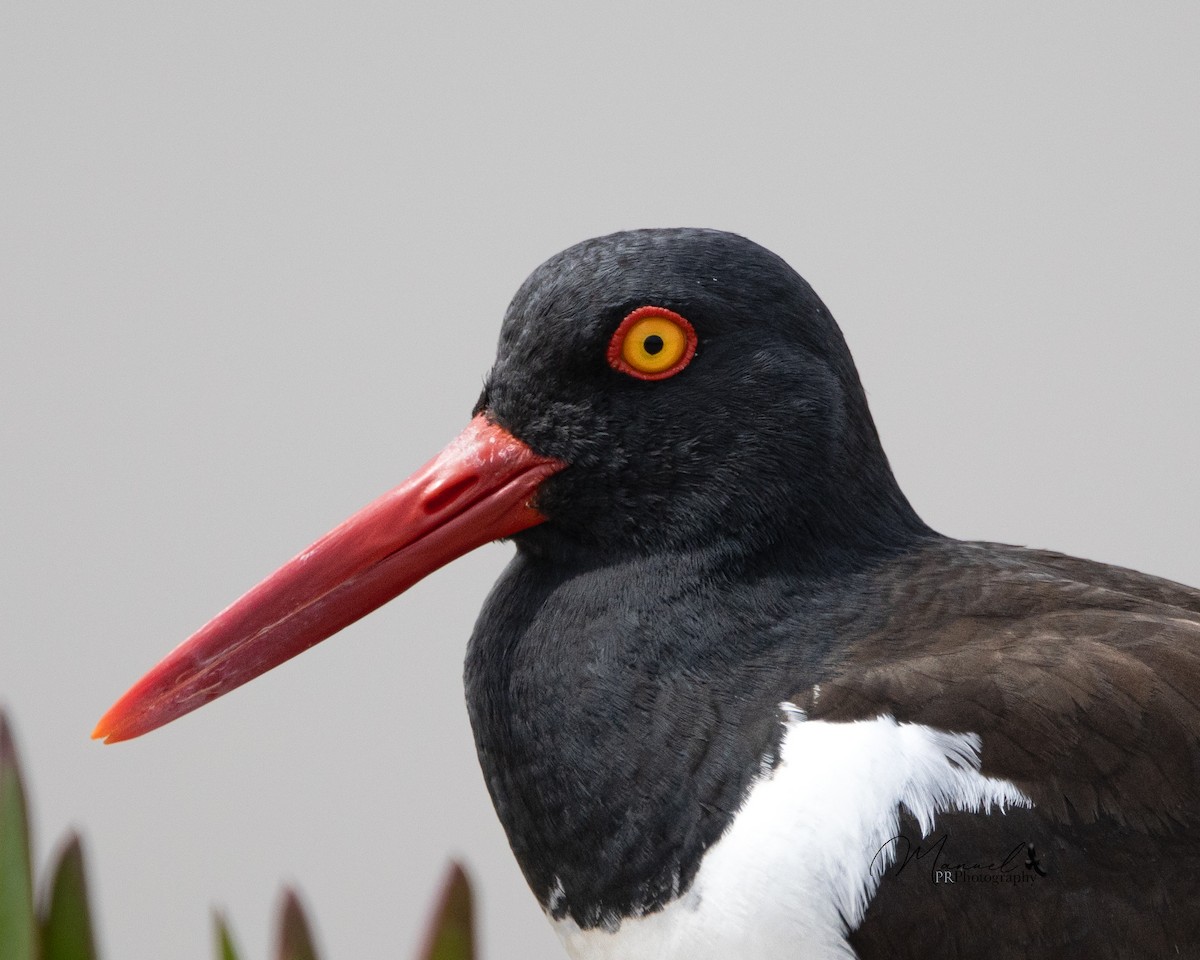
[451, 934]
[66, 920]
[18, 930]
[225, 946]
[295, 937]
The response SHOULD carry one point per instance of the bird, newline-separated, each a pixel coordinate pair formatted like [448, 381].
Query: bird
[732, 696]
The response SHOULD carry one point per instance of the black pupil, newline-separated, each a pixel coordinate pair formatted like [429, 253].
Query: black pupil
[652, 344]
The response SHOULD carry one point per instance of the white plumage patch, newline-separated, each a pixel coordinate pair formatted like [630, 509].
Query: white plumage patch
[794, 872]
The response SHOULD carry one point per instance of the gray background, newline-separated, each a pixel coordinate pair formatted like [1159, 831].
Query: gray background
[252, 263]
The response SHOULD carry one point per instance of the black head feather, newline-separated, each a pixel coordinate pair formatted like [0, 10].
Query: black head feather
[764, 436]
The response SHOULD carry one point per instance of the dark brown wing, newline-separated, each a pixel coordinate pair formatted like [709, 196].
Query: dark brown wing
[1083, 683]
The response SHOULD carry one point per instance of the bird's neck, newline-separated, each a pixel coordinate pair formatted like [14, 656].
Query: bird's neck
[655, 677]
[846, 525]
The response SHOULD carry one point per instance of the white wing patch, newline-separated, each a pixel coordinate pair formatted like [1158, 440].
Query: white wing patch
[809, 845]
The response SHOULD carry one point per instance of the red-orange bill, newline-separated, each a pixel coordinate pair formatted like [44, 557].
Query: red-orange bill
[479, 489]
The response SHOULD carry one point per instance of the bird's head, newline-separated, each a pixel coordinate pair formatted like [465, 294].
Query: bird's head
[697, 387]
[653, 390]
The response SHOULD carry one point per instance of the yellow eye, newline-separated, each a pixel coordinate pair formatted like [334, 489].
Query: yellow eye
[652, 343]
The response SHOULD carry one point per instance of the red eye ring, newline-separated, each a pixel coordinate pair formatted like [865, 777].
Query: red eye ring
[652, 343]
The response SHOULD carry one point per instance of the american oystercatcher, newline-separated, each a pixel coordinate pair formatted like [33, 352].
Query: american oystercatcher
[732, 697]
